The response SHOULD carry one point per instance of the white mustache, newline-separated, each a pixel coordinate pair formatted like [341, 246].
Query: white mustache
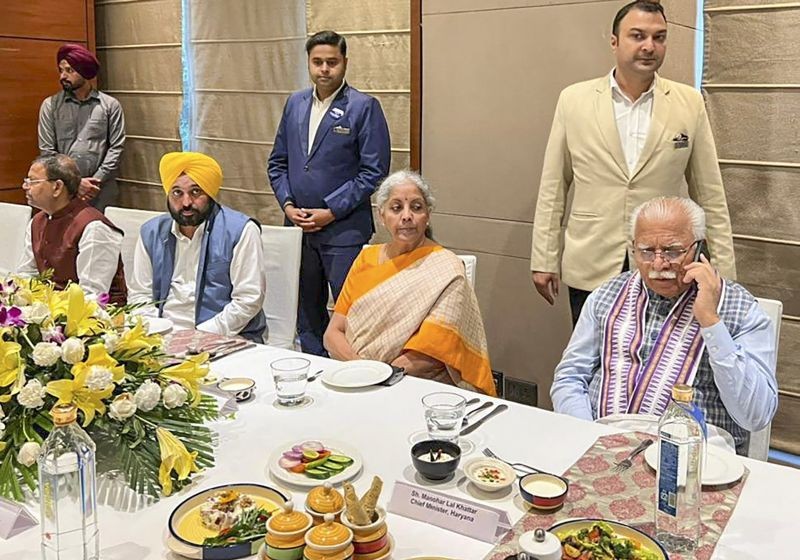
[662, 275]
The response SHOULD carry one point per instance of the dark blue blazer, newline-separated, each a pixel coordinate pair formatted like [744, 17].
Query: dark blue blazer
[350, 155]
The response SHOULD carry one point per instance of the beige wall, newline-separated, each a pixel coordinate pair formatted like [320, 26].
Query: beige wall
[492, 71]
[749, 53]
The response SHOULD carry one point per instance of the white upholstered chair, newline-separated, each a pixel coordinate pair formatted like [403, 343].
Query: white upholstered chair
[14, 220]
[759, 441]
[470, 265]
[129, 220]
[282, 247]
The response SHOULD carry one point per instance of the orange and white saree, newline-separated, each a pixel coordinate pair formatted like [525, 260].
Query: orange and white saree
[417, 301]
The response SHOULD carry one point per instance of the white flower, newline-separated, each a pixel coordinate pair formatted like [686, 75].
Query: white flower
[2, 429]
[174, 396]
[36, 313]
[147, 396]
[32, 394]
[28, 453]
[110, 340]
[21, 297]
[99, 378]
[122, 407]
[72, 350]
[46, 354]
[102, 314]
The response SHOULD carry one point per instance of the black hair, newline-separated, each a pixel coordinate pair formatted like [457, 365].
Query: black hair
[327, 38]
[61, 167]
[650, 6]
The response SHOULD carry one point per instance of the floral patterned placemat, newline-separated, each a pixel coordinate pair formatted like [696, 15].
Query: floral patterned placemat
[596, 491]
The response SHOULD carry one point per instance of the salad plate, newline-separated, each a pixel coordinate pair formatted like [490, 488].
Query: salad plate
[344, 462]
[158, 325]
[643, 546]
[720, 467]
[189, 523]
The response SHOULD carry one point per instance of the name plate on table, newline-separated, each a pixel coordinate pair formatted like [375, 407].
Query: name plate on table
[14, 518]
[469, 518]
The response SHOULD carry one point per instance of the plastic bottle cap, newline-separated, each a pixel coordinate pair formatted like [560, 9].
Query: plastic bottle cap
[64, 414]
[682, 393]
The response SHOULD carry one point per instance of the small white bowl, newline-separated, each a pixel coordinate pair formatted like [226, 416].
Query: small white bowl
[240, 387]
[473, 468]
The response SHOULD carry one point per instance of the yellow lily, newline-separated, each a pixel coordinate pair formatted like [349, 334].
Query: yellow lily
[136, 340]
[89, 401]
[2, 446]
[188, 373]
[99, 356]
[11, 367]
[80, 313]
[174, 457]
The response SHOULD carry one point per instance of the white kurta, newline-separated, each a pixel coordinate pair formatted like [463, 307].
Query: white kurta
[247, 277]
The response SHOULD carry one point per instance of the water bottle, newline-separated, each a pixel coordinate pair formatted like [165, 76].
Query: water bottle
[67, 491]
[681, 450]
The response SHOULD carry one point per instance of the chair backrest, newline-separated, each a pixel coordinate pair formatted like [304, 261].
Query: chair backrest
[14, 220]
[759, 441]
[129, 220]
[470, 264]
[282, 247]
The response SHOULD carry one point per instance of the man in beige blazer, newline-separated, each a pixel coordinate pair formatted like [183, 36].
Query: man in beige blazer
[616, 142]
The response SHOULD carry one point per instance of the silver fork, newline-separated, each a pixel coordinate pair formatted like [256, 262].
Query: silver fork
[522, 467]
[627, 462]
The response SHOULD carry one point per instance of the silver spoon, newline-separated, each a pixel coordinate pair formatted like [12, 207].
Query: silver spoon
[313, 377]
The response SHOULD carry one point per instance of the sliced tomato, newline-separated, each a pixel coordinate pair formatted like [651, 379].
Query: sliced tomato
[301, 468]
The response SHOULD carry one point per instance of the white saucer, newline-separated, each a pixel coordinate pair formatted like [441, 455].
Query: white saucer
[357, 374]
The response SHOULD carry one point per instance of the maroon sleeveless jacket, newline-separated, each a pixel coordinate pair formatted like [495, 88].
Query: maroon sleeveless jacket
[55, 242]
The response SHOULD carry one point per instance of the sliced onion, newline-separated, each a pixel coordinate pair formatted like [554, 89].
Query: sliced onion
[312, 446]
[298, 449]
[286, 463]
[294, 455]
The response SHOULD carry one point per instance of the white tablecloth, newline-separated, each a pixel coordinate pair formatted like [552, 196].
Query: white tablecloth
[381, 422]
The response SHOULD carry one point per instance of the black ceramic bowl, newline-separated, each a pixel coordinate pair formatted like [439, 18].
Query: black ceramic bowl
[438, 470]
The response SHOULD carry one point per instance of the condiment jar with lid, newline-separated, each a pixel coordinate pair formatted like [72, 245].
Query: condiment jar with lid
[324, 499]
[286, 533]
[540, 545]
[329, 541]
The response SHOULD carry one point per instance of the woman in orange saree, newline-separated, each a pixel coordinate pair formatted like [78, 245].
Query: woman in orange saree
[408, 302]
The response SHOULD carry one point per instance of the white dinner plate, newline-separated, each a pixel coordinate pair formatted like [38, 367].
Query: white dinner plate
[357, 373]
[158, 325]
[299, 479]
[721, 467]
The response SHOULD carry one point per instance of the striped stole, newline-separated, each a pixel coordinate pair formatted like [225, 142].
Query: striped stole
[630, 385]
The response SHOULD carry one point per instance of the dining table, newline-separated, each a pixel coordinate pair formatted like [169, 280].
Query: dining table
[383, 423]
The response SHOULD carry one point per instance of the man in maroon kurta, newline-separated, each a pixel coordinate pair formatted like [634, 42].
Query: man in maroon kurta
[68, 236]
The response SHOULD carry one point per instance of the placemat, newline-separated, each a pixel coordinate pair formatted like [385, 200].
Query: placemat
[597, 492]
[179, 341]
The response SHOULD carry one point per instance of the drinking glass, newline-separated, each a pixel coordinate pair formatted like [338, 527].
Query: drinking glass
[291, 377]
[443, 415]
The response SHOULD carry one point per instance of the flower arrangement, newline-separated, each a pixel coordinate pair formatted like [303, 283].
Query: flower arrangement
[142, 408]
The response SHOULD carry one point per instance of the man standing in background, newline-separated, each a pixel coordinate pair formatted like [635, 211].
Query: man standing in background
[85, 124]
[331, 150]
[616, 142]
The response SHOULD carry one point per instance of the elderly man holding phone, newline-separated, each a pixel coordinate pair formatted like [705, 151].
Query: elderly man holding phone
[673, 320]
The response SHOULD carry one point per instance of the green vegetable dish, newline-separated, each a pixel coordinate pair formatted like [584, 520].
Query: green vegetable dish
[600, 542]
[251, 525]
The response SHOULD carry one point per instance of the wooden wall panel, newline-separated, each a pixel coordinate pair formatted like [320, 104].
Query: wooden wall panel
[30, 34]
[63, 20]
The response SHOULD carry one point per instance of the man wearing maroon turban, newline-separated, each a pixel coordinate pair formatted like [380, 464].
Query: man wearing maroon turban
[85, 124]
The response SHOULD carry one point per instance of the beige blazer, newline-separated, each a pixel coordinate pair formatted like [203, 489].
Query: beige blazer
[584, 155]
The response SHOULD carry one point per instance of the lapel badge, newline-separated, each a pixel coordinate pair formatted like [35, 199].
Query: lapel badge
[681, 141]
[336, 112]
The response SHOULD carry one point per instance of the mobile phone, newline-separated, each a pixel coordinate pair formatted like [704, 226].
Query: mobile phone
[701, 249]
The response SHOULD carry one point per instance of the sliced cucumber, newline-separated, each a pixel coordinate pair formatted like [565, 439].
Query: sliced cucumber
[319, 473]
[341, 460]
[331, 466]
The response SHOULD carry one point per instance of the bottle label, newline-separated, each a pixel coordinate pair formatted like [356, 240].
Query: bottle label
[697, 413]
[668, 478]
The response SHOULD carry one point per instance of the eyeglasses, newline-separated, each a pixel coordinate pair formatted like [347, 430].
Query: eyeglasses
[27, 181]
[194, 193]
[671, 254]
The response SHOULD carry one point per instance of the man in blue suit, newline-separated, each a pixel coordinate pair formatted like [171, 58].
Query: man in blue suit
[331, 150]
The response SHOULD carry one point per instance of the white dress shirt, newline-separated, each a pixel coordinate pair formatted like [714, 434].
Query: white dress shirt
[318, 110]
[633, 121]
[247, 277]
[97, 260]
